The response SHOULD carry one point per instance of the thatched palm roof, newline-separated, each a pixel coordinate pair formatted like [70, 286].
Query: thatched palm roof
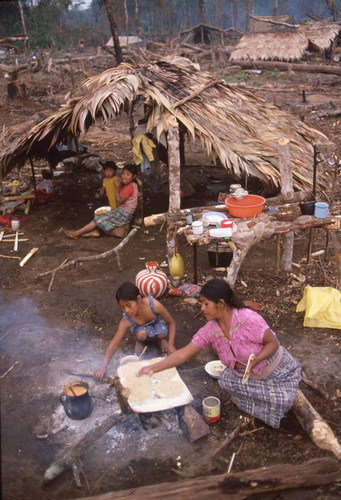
[268, 46]
[239, 128]
[285, 46]
[320, 34]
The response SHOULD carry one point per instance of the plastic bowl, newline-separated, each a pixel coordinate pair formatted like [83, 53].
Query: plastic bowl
[248, 206]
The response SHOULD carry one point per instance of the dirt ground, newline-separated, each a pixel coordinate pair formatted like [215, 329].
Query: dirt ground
[49, 339]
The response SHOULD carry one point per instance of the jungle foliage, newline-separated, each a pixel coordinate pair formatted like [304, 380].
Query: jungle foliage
[64, 23]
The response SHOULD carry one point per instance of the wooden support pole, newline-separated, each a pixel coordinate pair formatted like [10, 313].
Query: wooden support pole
[310, 245]
[288, 250]
[173, 142]
[287, 192]
[284, 159]
[195, 263]
[278, 253]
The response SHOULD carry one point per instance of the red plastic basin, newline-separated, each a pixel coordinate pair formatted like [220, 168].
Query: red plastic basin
[248, 206]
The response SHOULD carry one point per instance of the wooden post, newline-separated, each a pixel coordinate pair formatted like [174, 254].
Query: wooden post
[284, 164]
[173, 142]
[287, 192]
[278, 253]
[310, 245]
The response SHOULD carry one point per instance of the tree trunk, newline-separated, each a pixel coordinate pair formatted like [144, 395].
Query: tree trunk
[126, 21]
[137, 17]
[314, 425]
[114, 31]
[333, 9]
[235, 14]
[187, 18]
[283, 66]
[219, 13]
[247, 12]
[202, 11]
[154, 21]
[160, 18]
[26, 42]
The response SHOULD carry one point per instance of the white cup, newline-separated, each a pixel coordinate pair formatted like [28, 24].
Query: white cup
[197, 227]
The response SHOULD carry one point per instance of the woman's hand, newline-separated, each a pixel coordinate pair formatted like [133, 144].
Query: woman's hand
[99, 374]
[146, 370]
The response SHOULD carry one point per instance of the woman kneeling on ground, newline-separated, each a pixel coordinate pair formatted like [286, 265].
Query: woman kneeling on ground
[126, 199]
[272, 376]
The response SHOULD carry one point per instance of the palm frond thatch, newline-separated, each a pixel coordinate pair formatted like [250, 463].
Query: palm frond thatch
[286, 46]
[270, 46]
[233, 125]
[320, 34]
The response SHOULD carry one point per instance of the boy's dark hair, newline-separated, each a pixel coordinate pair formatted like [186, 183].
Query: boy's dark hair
[110, 164]
[127, 291]
[46, 174]
[131, 168]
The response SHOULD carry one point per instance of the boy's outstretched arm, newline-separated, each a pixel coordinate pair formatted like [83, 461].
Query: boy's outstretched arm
[160, 309]
[122, 328]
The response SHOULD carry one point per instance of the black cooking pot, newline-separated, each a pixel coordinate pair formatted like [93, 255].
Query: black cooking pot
[76, 400]
[308, 208]
[219, 256]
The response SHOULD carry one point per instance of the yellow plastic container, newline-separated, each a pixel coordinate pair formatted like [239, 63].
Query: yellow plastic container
[177, 266]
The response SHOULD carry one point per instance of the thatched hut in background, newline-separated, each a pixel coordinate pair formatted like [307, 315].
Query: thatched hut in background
[181, 102]
[320, 38]
[270, 46]
[265, 24]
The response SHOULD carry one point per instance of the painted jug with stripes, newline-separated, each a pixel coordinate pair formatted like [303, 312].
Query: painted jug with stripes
[151, 281]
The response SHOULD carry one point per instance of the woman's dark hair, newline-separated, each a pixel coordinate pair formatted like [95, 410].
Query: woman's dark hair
[131, 168]
[127, 291]
[216, 289]
[110, 164]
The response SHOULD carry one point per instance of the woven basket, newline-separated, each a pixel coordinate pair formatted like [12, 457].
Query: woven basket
[288, 212]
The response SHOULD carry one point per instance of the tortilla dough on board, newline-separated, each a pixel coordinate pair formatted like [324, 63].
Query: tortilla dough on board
[131, 368]
[169, 389]
[140, 391]
[165, 374]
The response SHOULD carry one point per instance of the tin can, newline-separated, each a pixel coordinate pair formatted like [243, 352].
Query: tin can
[211, 409]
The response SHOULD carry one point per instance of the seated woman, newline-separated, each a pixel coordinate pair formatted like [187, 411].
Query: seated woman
[263, 385]
[126, 199]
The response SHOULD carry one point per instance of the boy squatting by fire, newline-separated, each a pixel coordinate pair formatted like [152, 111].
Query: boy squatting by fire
[147, 319]
[235, 333]
[126, 199]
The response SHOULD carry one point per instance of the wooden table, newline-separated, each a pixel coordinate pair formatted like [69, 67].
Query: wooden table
[250, 231]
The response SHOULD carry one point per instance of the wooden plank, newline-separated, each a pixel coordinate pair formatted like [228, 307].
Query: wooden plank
[239, 485]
